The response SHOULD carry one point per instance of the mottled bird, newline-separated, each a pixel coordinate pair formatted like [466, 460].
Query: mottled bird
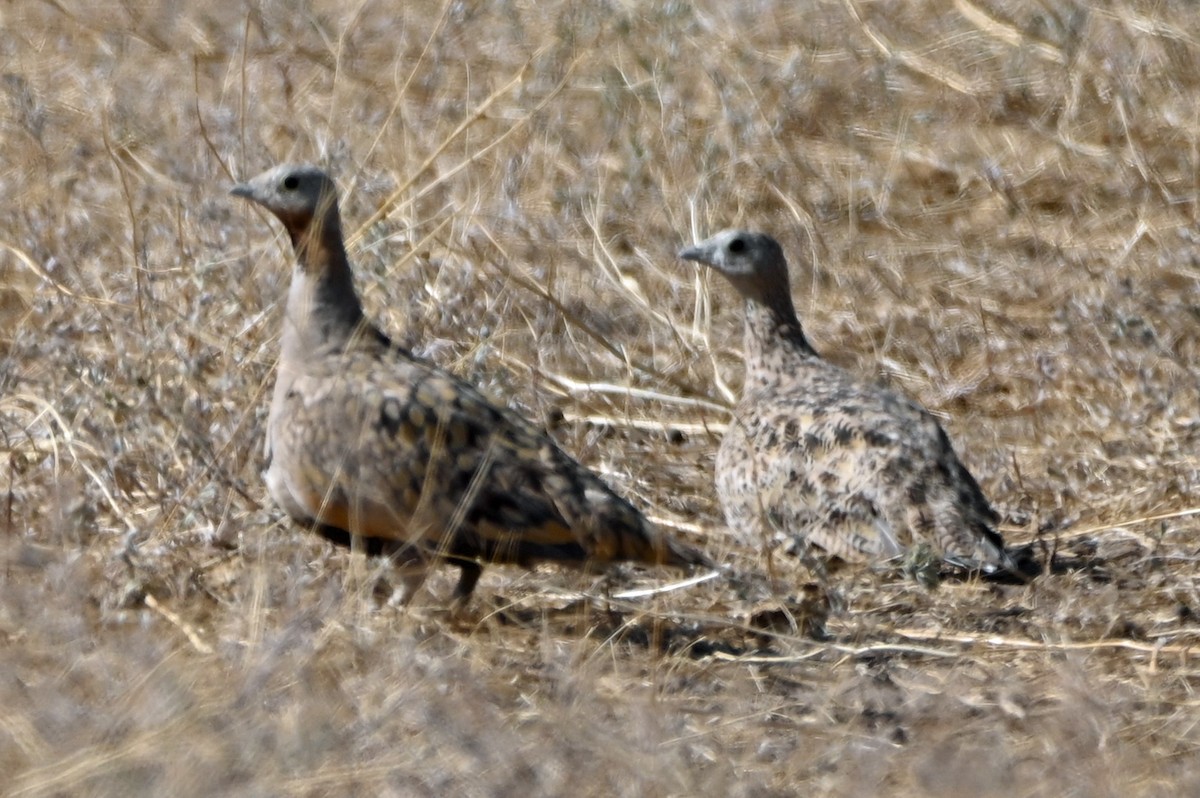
[818, 454]
[367, 441]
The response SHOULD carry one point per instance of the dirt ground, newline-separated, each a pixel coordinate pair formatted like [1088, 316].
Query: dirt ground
[991, 206]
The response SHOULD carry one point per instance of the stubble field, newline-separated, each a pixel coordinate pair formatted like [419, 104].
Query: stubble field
[989, 205]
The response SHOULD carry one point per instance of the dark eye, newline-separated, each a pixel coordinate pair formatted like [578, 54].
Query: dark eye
[737, 245]
[291, 182]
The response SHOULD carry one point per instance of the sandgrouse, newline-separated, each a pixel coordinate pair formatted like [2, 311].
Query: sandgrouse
[367, 441]
[816, 453]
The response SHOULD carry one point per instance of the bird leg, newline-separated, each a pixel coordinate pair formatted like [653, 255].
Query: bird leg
[469, 573]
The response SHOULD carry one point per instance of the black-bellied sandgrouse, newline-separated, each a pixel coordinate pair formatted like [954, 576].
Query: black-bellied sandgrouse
[367, 441]
[821, 455]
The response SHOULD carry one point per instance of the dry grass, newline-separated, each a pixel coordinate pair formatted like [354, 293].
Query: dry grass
[989, 204]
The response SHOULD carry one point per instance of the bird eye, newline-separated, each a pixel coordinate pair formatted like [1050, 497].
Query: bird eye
[291, 182]
[737, 245]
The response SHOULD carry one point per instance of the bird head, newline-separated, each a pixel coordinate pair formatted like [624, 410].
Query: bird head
[753, 262]
[296, 193]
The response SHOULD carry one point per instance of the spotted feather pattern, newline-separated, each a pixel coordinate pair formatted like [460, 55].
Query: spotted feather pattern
[816, 453]
[366, 441]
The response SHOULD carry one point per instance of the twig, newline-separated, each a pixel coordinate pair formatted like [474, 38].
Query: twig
[32, 265]
[1007, 33]
[997, 641]
[180, 624]
[668, 588]
[1147, 519]
[572, 387]
[916, 63]
[647, 424]
[392, 203]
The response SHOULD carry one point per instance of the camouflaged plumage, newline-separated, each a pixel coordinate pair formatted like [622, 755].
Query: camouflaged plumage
[367, 441]
[817, 453]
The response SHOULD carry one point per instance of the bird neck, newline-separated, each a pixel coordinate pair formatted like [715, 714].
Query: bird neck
[323, 309]
[775, 344]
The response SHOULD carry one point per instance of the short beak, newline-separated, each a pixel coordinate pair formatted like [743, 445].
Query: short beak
[696, 253]
[242, 190]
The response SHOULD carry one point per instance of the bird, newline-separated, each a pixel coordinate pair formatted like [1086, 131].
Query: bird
[822, 456]
[371, 445]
